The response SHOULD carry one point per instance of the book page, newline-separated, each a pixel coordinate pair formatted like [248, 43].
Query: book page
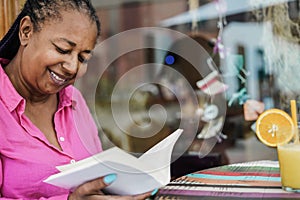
[134, 175]
[159, 157]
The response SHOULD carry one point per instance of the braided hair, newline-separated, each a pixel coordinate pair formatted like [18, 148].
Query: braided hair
[39, 12]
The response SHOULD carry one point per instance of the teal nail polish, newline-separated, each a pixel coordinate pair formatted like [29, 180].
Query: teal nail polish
[154, 192]
[110, 178]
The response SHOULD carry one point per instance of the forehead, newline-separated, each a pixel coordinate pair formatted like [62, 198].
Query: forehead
[73, 25]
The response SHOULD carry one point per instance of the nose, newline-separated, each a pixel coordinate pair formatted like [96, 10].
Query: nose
[71, 65]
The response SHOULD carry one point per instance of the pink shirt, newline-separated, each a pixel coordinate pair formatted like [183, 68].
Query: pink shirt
[26, 157]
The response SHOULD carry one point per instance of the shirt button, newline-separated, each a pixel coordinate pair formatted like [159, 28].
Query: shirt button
[61, 139]
[72, 161]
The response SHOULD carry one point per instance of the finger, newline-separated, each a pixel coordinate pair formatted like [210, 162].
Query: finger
[145, 195]
[134, 197]
[95, 186]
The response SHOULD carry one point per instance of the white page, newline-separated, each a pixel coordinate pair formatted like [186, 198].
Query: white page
[134, 175]
[159, 157]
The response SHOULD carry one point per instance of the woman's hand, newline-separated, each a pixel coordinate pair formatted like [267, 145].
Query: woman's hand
[92, 190]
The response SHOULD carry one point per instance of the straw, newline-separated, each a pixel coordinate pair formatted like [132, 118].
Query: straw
[294, 117]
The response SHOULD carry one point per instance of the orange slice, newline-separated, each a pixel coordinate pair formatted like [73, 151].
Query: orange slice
[274, 127]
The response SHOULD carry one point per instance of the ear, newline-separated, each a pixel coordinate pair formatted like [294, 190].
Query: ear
[25, 30]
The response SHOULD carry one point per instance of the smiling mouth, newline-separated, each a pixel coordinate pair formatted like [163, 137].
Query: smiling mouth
[57, 78]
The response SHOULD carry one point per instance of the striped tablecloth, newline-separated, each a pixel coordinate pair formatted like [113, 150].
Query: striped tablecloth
[251, 180]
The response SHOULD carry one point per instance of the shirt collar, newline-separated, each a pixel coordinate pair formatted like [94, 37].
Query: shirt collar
[12, 98]
[66, 96]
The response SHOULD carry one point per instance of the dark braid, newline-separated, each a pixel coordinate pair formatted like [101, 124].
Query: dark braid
[10, 43]
[39, 12]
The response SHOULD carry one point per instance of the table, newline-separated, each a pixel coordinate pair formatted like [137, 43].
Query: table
[249, 180]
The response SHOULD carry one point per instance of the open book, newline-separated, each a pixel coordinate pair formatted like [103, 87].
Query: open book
[134, 175]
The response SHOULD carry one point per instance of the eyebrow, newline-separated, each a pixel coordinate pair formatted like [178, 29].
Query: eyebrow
[72, 44]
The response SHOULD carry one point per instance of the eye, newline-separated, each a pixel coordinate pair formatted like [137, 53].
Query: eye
[82, 59]
[62, 51]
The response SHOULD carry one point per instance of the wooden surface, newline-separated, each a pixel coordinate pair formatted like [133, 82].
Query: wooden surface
[9, 9]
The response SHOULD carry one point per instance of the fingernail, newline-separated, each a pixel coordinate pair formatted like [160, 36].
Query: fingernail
[110, 178]
[154, 192]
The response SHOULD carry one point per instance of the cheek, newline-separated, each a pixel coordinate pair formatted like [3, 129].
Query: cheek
[38, 60]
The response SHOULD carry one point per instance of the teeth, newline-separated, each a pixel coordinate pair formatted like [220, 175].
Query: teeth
[57, 79]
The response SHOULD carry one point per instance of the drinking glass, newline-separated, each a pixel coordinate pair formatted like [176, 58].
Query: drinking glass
[289, 162]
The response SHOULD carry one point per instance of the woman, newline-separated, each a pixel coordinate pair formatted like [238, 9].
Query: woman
[44, 121]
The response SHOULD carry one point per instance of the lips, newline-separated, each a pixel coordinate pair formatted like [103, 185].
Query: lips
[58, 79]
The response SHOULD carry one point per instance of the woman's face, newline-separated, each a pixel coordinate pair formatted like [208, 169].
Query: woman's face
[55, 55]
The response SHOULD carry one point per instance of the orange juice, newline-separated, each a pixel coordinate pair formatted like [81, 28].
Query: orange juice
[289, 161]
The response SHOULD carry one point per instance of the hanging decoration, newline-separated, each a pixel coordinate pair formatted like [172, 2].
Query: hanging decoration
[212, 85]
[193, 6]
[221, 7]
[237, 62]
